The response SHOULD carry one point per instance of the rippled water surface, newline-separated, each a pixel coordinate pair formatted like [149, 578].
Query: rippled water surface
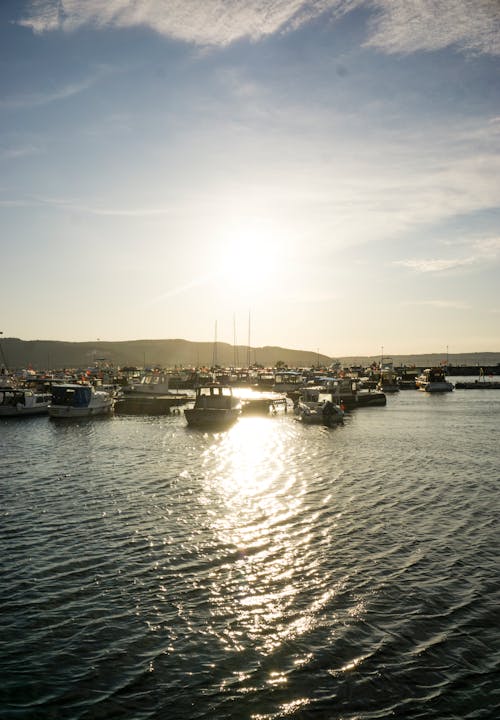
[271, 571]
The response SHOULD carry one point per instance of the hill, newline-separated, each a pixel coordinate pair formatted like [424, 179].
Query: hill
[45, 354]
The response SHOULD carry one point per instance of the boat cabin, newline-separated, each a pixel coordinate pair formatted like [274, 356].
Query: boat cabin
[71, 395]
[215, 396]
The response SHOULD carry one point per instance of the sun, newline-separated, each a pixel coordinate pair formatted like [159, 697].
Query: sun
[251, 257]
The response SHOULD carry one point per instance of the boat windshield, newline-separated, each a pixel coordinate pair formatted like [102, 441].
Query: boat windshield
[73, 396]
[215, 391]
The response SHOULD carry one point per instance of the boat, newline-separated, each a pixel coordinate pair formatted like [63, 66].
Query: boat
[346, 392]
[315, 407]
[21, 402]
[70, 400]
[255, 402]
[150, 384]
[388, 381]
[148, 404]
[215, 406]
[478, 385]
[285, 381]
[150, 396]
[433, 380]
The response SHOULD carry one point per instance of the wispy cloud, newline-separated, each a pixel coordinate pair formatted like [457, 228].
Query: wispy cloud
[179, 290]
[404, 27]
[450, 304]
[211, 22]
[78, 207]
[37, 99]
[436, 265]
[19, 151]
[397, 25]
[488, 248]
[484, 249]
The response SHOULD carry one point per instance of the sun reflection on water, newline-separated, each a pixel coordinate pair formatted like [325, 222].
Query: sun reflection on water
[257, 596]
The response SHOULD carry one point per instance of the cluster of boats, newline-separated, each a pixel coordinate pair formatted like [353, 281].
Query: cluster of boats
[64, 400]
[431, 380]
[321, 400]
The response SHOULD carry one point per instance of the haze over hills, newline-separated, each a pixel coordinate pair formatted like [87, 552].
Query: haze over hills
[45, 354]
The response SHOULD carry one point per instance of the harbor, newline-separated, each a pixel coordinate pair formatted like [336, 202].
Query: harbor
[161, 391]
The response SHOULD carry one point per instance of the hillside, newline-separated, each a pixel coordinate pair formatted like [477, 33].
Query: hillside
[44, 354]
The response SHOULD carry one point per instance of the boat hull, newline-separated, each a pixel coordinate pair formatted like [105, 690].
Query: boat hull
[24, 411]
[437, 387]
[207, 418]
[66, 411]
[148, 405]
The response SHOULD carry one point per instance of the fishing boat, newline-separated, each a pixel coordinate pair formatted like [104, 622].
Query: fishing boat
[433, 380]
[21, 402]
[215, 406]
[70, 400]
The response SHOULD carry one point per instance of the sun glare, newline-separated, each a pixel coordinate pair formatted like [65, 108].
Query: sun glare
[250, 258]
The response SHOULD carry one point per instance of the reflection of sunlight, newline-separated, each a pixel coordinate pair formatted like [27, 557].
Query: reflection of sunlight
[246, 449]
[259, 491]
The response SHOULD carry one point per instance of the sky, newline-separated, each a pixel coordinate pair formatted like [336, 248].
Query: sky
[323, 172]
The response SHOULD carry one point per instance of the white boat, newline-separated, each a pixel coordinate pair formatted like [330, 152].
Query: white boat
[18, 402]
[150, 384]
[215, 406]
[315, 407]
[71, 400]
[433, 380]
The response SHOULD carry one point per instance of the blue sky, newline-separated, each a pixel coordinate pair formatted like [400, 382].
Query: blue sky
[330, 166]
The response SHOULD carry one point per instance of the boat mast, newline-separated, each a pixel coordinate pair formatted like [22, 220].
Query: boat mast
[249, 362]
[214, 357]
[2, 354]
[235, 359]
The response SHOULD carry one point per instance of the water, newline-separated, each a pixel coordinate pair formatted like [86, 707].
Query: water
[271, 571]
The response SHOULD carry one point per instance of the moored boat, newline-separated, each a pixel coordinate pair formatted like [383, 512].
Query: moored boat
[478, 385]
[70, 400]
[433, 380]
[388, 381]
[148, 404]
[215, 407]
[315, 407]
[21, 402]
[255, 402]
[345, 391]
[149, 384]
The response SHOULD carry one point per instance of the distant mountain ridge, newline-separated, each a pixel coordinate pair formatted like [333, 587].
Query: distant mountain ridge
[45, 354]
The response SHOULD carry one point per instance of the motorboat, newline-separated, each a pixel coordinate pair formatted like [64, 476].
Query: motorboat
[315, 407]
[215, 406]
[254, 402]
[20, 402]
[70, 400]
[345, 392]
[150, 384]
[433, 380]
[285, 381]
[388, 381]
